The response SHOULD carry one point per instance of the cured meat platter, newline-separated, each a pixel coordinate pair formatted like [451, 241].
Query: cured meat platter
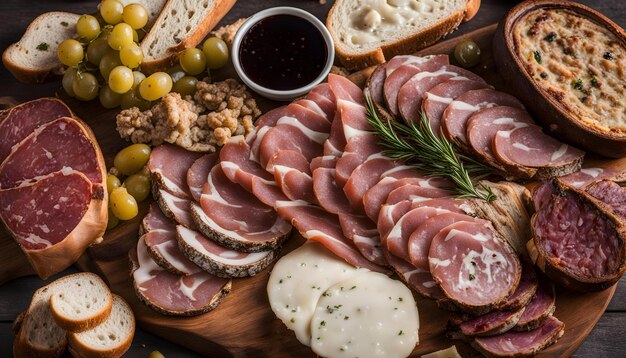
[244, 324]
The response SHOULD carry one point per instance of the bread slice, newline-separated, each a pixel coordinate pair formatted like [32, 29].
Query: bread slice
[111, 338]
[81, 303]
[182, 24]
[33, 59]
[38, 334]
[383, 40]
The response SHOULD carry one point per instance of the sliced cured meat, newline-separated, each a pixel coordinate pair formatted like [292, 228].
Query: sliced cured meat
[62, 143]
[587, 176]
[172, 294]
[353, 119]
[401, 60]
[168, 167]
[344, 89]
[362, 231]
[375, 84]
[610, 193]
[336, 142]
[483, 125]
[53, 219]
[21, 120]
[294, 137]
[420, 238]
[539, 309]
[163, 249]
[525, 291]
[411, 93]
[363, 178]
[542, 194]
[307, 115]
[293, 175]
[417, 279]
[264, 123]
[521, 344]
[316, 224]
[156, 221]
[325, 161]
[324, 97]
[267, 193]
[437, 99]
[219, 260]
[474, 267]
[198, 172]
[402, 74]
[533, 154]
[492, 323]
[357, 151]
[454, 118]
[328, 193]
[577, 242]
[175, 208]
[415, 193]
[397, 241]
[238, 167]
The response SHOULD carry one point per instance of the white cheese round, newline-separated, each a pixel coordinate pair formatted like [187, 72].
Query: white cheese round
[367, 315]
[297, 282]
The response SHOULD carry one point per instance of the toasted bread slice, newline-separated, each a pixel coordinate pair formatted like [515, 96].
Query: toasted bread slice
[110, 339]
[81, 303]
[182, 24]
[368, 33]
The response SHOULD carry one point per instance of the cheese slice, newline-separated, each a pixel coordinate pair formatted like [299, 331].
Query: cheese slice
[449, 352]
[367, 315]
[297, 282]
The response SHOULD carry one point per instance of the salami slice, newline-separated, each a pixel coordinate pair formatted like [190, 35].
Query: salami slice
[539, 309]
[492, 323]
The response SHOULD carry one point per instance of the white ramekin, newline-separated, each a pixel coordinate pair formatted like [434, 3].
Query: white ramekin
[271, 93]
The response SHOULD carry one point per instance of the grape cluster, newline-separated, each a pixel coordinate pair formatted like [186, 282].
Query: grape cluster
[105, 59]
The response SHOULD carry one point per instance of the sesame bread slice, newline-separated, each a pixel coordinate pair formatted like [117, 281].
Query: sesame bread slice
[181, 24]
[81, 302]
[111, 339]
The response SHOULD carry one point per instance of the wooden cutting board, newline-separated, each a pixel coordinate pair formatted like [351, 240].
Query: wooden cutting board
[243, 325]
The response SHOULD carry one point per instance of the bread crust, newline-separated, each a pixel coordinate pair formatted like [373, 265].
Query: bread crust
[213, 17]
[471, 9]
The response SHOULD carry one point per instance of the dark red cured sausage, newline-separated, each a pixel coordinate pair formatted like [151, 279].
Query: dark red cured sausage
[525, 290]
[21, 120]
[454, 118]
[474, 267]
[492, 323]
[611, 194]
[198, 173]
[63, 143]
[411, 93]
[168, 167]
[437, 99]
[539, 309]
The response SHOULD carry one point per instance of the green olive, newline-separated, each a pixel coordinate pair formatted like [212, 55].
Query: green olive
[186, 86]
[138, 185]
[112, 183]
[122, 204]
[132, 158]
[467, 53]
[112, 221]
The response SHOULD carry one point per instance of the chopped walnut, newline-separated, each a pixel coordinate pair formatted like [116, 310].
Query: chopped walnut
[200, 123]
[227, 32]
[341, 71]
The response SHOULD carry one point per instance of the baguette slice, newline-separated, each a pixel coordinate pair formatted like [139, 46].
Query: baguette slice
[33, 59]
[81, 303]
[110, 339]
[433, 23]
[182, 24]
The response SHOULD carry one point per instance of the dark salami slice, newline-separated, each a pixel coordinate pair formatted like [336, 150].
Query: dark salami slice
[539, 309]
[525, 291]
[21, 120]
[492, 323]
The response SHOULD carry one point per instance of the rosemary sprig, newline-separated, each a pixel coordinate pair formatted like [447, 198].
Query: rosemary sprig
[417, 145]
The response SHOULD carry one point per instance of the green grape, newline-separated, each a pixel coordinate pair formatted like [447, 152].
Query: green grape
[96, 49]
[88, 27]
[467, 53]
[176, 73]
[193, 61]
[216, 52]
[137, 78]
[186, 86]
[138, 185]
[132, 98]
[68, 79]
[135, 36]
[112, 11]
[121, 35]
[122, 204]
[109, 61]
[135, 15]
[85, 86]
[155, 86]
[131, 55]
[113, 221]
[109, 99]
[112, 183]
[70, 52]
[121, 79]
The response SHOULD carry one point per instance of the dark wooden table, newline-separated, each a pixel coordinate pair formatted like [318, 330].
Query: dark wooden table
[607, 338]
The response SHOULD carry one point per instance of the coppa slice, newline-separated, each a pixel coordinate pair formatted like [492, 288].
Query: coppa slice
[219, 260]
[168, 167]
[528, 152]
[474, 267]
[198, 173]
[357, 316]
[20, 121]
[297, 282]
[293, 175]
[172, 294]
[327, 192]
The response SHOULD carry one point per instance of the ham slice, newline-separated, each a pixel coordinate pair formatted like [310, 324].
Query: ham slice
[48, 150]
[171, 294]
[292, 173]
[529, 152]
[363, 233]
[357, 151]
[198, 172]
[437, 99]
[325, 161]
[168, 167]
[474, 267]
[415, 192]
[20, 121]
[291, 136]
[539, 309]
[336, 142]
[237, 165]
[175, 208]
[363, 178]
[327, 192]
[518, 344]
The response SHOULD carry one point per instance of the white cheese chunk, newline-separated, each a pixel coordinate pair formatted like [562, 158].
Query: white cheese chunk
[367, 315]
[449, 352]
